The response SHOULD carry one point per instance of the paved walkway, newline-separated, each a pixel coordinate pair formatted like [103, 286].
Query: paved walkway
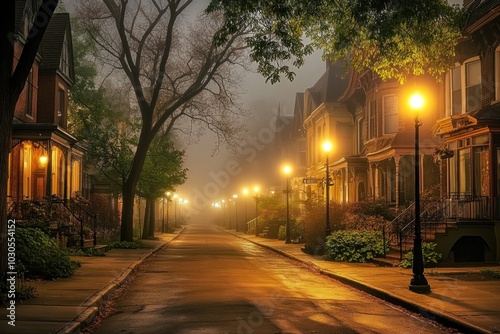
[66, 305]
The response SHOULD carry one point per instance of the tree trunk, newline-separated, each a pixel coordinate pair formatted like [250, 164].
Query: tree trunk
[152, 218]
[6, 114]
[129, 186]
[147, 217]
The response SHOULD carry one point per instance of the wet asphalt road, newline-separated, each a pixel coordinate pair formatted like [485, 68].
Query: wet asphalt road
[208, 281]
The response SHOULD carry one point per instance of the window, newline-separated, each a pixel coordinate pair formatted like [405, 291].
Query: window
[372, 132]
[390, 106]
[76, 173]
[65, 66]
[466, 87]
[360, 135]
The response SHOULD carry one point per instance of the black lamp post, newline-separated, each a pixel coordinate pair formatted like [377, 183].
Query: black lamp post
[287, 171]
[418, 282]
[256, 189]
[245, 193]
[163, 217]
[327, 147]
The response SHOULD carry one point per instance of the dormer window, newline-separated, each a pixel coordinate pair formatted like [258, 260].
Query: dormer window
[466, 87]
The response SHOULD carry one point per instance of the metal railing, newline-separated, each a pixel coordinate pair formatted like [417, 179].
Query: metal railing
[64, 217]
[436, 215]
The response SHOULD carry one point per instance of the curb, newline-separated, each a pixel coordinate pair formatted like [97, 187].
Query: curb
[436, 315]
[93, 303]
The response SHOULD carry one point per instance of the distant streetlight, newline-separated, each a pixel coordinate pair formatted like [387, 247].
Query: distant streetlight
[166, 198]
[256, 190]
[327, 147]
[174, 196]
[418, 282]
[287, 170]
[224, 213]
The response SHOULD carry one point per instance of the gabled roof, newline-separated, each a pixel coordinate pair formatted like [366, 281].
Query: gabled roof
[480, 13]
[53, 42]
[298, 114]
[330, 86]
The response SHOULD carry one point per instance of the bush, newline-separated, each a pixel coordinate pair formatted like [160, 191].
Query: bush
[354, 246]
[39, 256]
[431, 257]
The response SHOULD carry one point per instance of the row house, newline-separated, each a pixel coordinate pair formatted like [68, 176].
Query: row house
[45, 160]
[372, 127]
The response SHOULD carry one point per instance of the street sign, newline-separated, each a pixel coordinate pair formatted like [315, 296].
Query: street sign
[309, 180]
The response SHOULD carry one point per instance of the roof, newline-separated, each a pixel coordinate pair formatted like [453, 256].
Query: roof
[53, 42]
[331, 86]
[481, 12]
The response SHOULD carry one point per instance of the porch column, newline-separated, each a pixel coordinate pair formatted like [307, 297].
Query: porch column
[48, 189]
[68, 176]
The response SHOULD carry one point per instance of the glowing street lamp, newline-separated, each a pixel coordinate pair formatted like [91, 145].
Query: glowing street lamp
[327, 147]
[418, 282]
[287, 170]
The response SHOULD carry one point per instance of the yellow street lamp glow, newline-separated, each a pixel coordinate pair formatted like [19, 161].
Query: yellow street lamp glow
[287, 169]
[327, 146]
[256, 189]
[416, 102]
[245, 191]
[235, 196]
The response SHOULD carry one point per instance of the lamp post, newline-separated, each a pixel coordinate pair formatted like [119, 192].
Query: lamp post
[256, 190]
[287, 170]
[245, 193]
[175, 209]
[327, 147]
[418, 282]
[235, 196]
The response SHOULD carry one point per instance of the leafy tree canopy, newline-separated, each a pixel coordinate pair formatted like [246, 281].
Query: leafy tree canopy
[393, 38]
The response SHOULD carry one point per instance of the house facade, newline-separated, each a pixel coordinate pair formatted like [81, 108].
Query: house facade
[372, 128]
[45, 160]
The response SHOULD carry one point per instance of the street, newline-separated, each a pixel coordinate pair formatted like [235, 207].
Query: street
[208, 281]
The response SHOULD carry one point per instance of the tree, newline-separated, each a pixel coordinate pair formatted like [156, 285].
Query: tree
[162, 171]
[393, 38]
[13, 76]
[174, 72]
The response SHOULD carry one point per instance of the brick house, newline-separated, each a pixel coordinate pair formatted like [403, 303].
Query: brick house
[371, 126]
[45, 160]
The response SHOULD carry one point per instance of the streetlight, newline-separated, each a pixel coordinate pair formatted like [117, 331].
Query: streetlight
[287, 170]
[175, 209]
[327, 147]
[256, 190]
[418, 282]
[235, 196]
[245, 193]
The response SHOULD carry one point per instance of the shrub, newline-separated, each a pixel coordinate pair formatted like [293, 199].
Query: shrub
[354, 246]
[431, 257]
[315, 224]
[296, 231]
[39, 256]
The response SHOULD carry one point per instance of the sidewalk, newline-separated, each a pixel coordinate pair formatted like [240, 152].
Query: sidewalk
[457, 298]
[67, 305]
